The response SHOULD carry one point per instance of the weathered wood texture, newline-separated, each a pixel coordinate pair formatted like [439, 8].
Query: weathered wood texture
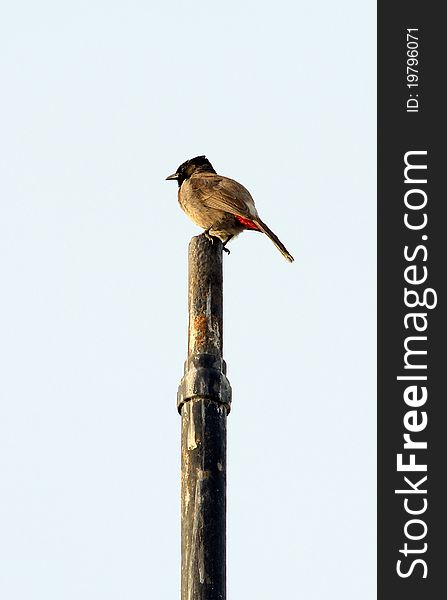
[204, 401]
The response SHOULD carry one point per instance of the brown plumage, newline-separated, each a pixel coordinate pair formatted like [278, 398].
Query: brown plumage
[221, 206]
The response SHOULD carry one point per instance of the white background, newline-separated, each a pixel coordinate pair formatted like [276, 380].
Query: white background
[100, 101]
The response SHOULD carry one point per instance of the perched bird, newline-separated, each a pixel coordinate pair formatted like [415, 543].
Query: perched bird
[222, 206]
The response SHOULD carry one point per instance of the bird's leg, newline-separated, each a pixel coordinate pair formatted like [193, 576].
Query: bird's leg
[224, 248]
[209, 237]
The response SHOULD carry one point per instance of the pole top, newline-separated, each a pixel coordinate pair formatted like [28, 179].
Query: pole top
[205, 370]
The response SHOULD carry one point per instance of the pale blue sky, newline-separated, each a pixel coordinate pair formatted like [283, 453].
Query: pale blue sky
[100, 101]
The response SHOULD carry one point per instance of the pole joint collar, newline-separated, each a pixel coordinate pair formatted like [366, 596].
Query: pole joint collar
[204, 376]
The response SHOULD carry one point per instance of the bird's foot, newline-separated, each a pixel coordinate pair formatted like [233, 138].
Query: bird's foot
[224, 247]
[209, 237]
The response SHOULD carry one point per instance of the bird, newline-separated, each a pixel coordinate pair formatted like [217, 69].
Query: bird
[219, 205]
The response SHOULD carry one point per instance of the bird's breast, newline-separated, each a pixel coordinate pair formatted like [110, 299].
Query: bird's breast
[192, 204]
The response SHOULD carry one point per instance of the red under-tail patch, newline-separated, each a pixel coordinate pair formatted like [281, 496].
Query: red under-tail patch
[247, 223]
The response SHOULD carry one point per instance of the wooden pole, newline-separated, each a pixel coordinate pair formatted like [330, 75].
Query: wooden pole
[203, 401]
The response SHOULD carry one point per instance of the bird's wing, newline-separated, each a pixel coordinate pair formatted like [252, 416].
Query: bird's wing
[222, 193]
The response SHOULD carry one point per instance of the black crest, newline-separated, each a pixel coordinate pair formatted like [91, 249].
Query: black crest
[198, 164]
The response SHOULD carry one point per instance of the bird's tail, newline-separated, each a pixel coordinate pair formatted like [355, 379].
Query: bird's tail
[269, 233]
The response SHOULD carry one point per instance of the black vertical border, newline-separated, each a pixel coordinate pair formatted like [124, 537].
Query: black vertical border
[399, 132]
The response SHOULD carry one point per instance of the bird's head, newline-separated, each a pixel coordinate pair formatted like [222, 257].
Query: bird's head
[198, 164]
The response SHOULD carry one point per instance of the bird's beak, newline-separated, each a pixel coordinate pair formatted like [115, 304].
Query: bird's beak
[174, 176]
